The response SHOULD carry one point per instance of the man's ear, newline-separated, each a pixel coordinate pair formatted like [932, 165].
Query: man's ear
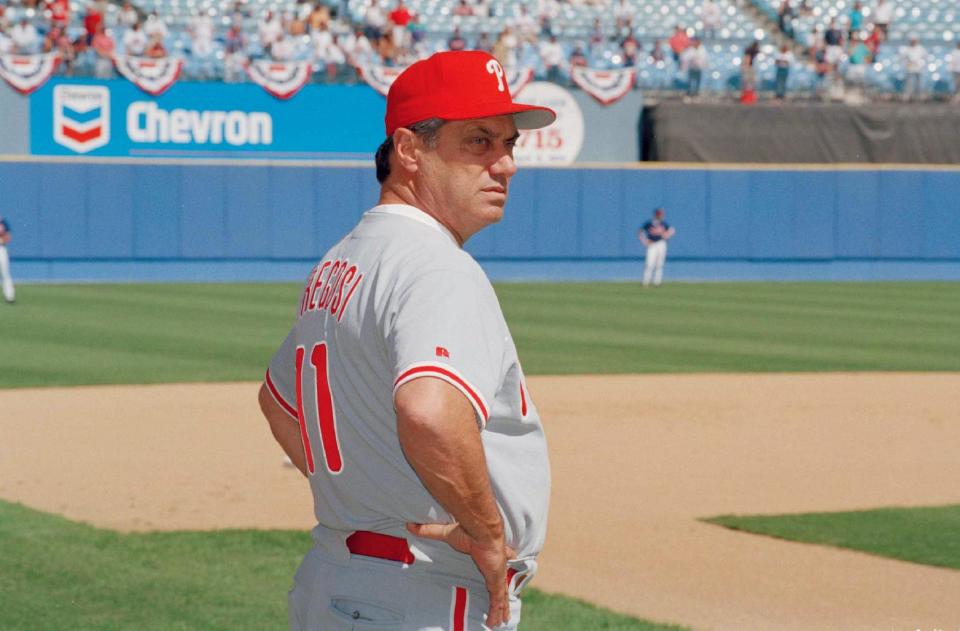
[405, 145]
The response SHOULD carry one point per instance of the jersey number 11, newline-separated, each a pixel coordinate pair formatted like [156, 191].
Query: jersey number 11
[324, 411]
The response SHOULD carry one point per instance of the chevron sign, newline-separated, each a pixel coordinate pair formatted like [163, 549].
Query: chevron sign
[81, 116]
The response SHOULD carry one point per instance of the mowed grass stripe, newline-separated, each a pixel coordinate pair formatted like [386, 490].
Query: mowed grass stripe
[154, 333]
[59, 574]
[926, 535]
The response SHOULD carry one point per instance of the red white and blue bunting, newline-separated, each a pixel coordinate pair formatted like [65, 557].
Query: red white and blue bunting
[517, 80]
[380, 78]
[26, 73]
[282, 79]
[153, 76]
[606, 86]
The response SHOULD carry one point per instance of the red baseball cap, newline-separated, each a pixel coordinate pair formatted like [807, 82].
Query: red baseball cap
[458, 85]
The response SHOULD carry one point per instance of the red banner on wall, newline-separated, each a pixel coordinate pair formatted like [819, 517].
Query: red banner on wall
[153, 76]
[606, 86]
[26, 73]
[282, 79]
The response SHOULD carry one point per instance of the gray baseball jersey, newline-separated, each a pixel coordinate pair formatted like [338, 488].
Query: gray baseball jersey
[395, 300]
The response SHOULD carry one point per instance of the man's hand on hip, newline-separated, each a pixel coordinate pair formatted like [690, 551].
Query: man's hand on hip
[490, 558]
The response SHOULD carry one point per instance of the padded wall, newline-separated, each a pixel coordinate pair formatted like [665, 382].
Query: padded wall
[70, 211]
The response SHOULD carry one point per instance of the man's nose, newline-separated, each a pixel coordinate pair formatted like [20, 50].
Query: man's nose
[505, 165]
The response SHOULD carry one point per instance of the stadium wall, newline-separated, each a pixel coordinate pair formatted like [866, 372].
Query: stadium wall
[207, 120]
[193, 220]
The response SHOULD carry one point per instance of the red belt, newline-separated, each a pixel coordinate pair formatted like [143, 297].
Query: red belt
[380, 546]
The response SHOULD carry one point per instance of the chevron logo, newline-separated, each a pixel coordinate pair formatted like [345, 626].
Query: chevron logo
[81, 117]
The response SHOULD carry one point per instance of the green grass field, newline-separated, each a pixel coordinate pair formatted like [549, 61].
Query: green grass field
[157, 333]
[57, 574]
[921, 535]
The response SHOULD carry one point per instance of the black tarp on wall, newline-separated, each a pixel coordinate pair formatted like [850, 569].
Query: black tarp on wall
[814, 133]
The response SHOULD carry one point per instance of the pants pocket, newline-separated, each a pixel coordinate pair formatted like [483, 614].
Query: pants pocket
[365, 615]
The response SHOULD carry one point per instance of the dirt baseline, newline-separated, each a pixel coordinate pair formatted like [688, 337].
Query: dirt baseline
[636, 461]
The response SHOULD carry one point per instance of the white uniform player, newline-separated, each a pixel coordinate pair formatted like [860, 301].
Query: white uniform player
[6, 280]
[654, 235]
[397, 307]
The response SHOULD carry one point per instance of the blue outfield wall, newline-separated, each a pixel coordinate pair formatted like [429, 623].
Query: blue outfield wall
[170, 221]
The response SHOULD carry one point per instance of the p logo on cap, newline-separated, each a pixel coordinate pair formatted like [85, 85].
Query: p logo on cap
[457, 86]
[494, 67]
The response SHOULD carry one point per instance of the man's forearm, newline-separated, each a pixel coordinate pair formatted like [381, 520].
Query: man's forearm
[439, 436]
[286, 430]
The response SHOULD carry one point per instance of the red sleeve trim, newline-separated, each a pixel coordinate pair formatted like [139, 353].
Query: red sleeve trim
[452, 377]
[289, 409]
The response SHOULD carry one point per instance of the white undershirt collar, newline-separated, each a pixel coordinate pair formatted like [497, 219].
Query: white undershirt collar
[412, 212]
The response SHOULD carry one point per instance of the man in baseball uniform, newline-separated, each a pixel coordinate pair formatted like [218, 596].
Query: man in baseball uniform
[6, 280]
[398, 391]
[654, 235]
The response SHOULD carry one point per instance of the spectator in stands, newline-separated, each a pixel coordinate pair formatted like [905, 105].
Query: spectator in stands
[833, 40]
[679, 42]
[551, 56]
[953, 65]
[855, 20]
[482, 8]
[328, 54]
[155, 48]
[234, 54]
[293, 25]
[282, 49]
[656, 52]
[463, 9]
[201, 34]
[785, 16]
[456, 41]
[598, 35]
[748, 75]
[505, 48]
[387, 49]
[357, 47]
[694, 60]
[155, 25]
[320, 41]
[374, 20]
[135, 41]
[821, 67]
[318, 17]
[484, 43]
[59, 12]
[710, 14]
[104, 46]
[578, 58]
[60, 42]
[268, 29]
[527, 26]
[25, 38]
[858, 59]
[783, 62]
[883, 17]
[239, 15]
[630, 49]
[914, 60]
[400, 17]
[873, 41]
[623, 12]
[127, 16]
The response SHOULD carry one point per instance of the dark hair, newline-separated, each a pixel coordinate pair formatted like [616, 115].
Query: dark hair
[428, 131]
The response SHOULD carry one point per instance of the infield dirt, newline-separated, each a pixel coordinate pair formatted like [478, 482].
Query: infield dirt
[636, 461]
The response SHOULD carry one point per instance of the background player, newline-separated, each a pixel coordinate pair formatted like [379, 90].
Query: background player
[6, 279]
[398, 391]
[654, 235]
